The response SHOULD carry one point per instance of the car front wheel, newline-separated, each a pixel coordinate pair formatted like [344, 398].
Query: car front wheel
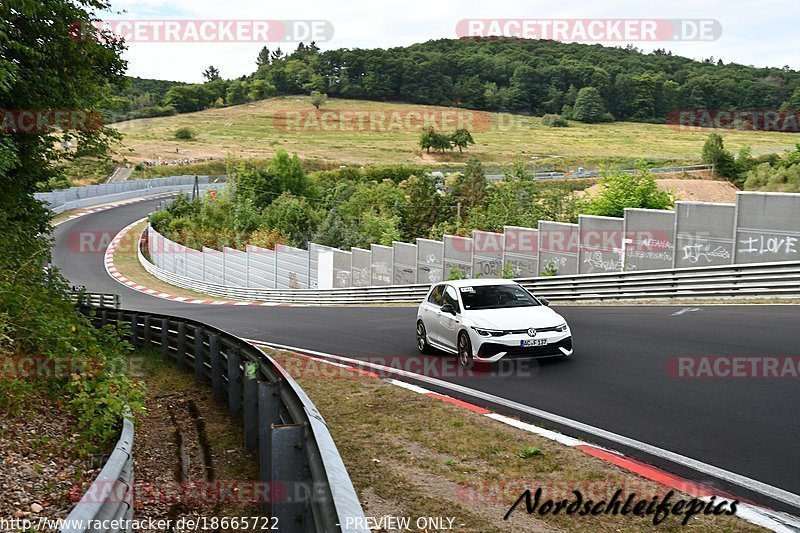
[422, 339]
[464, 351]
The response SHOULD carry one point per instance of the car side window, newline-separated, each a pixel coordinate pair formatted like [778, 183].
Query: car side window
[436, 295]
[450, 297]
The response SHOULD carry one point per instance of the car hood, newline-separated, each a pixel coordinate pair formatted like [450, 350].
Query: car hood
[515, 318]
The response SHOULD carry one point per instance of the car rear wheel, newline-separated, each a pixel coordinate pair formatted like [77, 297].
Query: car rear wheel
[422, 339]
[464, 351]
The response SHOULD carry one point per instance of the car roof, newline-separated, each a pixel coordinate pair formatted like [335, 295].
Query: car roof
[479, 281]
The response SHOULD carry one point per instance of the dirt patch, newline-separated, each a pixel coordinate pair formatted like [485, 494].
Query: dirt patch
[189, 456]
[691, 190]
[41, 469]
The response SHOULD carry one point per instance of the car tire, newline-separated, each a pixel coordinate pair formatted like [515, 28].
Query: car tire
[465, 351]
[422, 339]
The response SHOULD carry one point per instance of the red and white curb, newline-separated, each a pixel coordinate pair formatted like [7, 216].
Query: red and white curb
[752, 512]
[114, 273]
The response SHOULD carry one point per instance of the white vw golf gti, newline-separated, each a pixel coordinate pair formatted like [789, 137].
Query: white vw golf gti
[485, 320]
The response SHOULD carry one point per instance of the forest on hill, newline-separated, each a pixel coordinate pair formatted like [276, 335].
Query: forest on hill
[524, 76]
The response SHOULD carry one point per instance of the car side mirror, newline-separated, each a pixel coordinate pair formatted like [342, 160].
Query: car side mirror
[448, 308]
[544, 301]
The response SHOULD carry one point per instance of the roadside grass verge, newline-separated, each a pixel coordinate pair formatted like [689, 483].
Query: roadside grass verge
[411, 455]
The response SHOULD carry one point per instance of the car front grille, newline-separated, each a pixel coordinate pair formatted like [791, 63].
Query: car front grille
[538, 330]
[490, 349]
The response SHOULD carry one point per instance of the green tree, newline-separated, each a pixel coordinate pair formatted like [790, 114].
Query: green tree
[714, 153]
[793, 103]
[318, 99]
[589, 106]
[441, 142]
[237, 92]
[426, 139]
[461, 138]
[263, 57]
[51, 58]
[620, 190]
[292, 217]
[422, 207]
[211, 73]
[290, 173]
[469, 188]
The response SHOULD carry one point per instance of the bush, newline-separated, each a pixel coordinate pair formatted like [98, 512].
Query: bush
[185, 134]
[767, 178]
[621, 190]
[554, 121]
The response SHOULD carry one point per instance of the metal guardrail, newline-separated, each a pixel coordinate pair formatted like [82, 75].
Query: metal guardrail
[75, 197]
[750, 280]
[296, 453]
[594, 174]
[94, 299]
[110, 496]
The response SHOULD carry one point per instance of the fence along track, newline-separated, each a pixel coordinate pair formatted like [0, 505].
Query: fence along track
[296, 453]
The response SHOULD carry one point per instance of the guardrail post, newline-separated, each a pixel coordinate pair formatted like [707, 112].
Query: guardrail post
[290, 474]
[147, 332]
[268, 414]
[250, 409]
[215, 357]
[134, 330]
[181, 345]
[234, 385]
[199, 359]
[165, 338]
[103, 317]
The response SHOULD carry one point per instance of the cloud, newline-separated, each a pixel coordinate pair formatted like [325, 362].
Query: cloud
[752, 33]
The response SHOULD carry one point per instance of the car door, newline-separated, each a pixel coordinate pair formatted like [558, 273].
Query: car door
[430, 310]
[449, 324]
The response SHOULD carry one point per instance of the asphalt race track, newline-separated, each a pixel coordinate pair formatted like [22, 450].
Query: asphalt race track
[618, 379]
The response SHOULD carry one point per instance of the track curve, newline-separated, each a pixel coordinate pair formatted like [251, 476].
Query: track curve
[618, 380]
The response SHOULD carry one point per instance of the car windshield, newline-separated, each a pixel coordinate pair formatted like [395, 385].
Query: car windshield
[496, 297]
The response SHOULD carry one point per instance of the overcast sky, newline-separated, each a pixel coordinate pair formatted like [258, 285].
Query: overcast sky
[753, 33]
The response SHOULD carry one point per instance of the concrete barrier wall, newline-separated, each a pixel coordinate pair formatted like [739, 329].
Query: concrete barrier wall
[487, 254]
[760, 227]
[521, 250]
[430, 257]
[291, 267]
[457, 255]
[767, 227]
[703, 234]
[404, 263]
[600, 241]
[381, 265]
[559, 245]
[361, 272]
[262, 263]
[649, 239]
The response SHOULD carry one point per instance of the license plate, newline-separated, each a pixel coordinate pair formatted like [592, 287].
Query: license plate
[533, 342]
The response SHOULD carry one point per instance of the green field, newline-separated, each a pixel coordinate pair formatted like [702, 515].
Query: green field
[257, 130]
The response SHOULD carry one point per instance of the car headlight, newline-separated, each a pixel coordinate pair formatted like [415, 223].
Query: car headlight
[483, 332]
[562, 327]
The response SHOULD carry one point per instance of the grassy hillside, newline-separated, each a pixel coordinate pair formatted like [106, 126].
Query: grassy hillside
[254, 130]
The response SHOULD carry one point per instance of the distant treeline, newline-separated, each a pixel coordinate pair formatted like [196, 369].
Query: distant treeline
[526, 76]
